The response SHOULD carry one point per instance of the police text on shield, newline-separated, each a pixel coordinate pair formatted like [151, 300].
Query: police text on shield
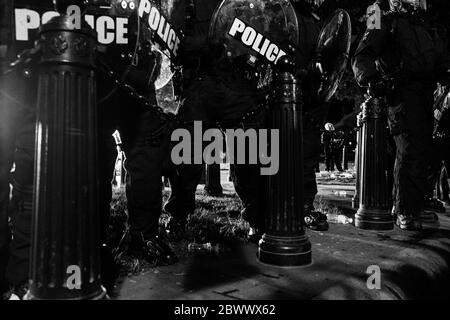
[109, 29]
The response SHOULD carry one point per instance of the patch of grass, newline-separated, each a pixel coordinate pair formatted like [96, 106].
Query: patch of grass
[118, 219]
[326, 208]
[336, 179]
[215, 220]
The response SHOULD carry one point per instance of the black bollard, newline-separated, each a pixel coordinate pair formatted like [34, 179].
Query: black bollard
[355, 199]
[212, 177]
[285, 242]
[373, 212]
[65, 246]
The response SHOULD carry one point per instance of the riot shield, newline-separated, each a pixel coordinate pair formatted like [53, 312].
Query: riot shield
[332, 53]
[175, 11]
[161, 23]
[257, 31]
[156, 25]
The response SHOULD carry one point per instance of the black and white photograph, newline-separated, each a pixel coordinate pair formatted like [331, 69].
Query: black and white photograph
[224, 158]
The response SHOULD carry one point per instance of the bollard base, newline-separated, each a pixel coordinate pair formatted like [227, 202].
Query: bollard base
[355, 203]
[285, 251]
[374, 219]
[101, 294]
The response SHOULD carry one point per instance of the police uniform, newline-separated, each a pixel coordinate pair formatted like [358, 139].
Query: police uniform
[17, 130]
[146, 151]
[18, 91]
[218, 93]
[314, 112]
[145, 134]
[440, 157]
[332, 143]
[214, 91]
[408, 49]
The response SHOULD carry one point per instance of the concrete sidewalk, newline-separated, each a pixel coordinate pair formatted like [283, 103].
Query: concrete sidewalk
[413, 265]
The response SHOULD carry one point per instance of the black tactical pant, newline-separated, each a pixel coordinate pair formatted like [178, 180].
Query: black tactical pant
[443, 187]
[313, 121]
[21, 203]
[17, 131]
[332, 158]
[439, 155]
[211, 99]
[147, 161]
[6, 161]
[411, 119]
[249, 184]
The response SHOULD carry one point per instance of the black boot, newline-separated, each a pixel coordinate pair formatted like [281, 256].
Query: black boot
[315, 220]
[254, 235]
[408, 223]
[154, 249]
[16, 292]
[256, 224]
[176, 228]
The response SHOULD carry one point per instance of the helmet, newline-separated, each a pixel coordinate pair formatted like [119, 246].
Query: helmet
[329, 127]
[407, 5]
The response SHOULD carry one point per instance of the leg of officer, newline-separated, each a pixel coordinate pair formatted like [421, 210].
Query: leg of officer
[8, 116]
[337, 158]
[19, 143]
[197, 97]
[312, 123]
[21, 203]
[144, 164]
[411, 124]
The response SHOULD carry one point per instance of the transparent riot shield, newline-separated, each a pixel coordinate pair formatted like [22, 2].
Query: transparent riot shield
[258, 32]
[332, 53]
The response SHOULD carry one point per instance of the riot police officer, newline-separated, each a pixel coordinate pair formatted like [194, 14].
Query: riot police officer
[214, 91]
[314, 112]
[5, 164]
[440, 154]
[213, 81]
[18, 91]
[409, 52]
[332, 143]
[145, 133]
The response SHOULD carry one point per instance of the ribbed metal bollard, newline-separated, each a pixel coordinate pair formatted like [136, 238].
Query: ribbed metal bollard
[355, 199]
[65, 253]
[285, 242]
[212, 177]
[373, 212]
